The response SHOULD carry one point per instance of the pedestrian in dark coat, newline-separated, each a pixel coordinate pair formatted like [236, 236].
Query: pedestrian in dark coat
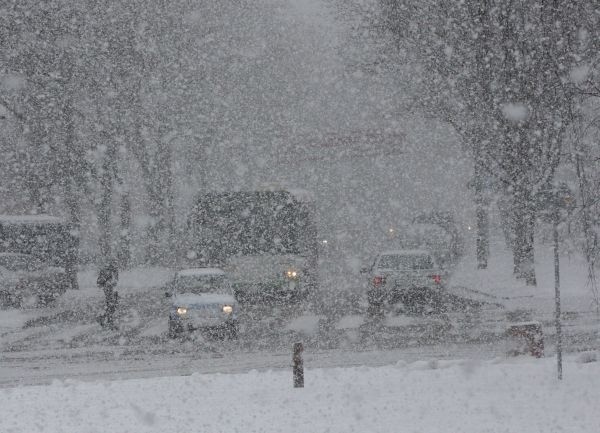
[107, 281]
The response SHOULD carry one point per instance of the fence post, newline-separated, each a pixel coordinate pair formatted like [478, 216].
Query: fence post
[298, 366]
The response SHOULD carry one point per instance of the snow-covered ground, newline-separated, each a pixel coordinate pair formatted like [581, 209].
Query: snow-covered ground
[468, 396]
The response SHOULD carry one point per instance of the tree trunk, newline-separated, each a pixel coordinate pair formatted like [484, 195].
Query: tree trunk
[73, 170]
[528, 250]
[590, 236]
[74, 235]
[516, 241]
[124, 254]
[483, 244]
[523, 245]
[105, 207]
[483, 229]
[159, 183]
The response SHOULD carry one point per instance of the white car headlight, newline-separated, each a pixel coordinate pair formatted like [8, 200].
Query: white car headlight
[227, 309]
[291, 274]
[181, 311]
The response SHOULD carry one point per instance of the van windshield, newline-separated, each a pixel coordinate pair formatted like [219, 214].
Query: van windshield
[19, 262]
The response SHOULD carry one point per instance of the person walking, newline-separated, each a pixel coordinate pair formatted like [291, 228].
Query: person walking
[107, 281]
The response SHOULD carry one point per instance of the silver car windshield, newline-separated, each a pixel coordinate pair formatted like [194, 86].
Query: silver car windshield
[403, 262]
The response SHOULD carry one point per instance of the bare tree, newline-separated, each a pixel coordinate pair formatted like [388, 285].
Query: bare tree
[498, 72]
[42, 46]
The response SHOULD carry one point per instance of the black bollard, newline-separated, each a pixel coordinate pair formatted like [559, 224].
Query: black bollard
[298, 366]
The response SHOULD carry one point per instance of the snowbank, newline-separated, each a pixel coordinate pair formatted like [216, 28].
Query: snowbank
[520, 395]
[499, 282]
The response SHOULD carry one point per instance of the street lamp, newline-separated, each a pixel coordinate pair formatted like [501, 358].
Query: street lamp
[562, 200]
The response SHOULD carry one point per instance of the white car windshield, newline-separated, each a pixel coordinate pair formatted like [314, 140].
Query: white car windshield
[200, 284]
[405, 261]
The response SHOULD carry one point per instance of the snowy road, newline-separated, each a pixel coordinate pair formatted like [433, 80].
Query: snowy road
[93, 363]
[62, 343]
[35, 368]
[65, 343]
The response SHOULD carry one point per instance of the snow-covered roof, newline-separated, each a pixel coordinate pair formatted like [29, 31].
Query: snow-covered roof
[31, 219]
[302, 195]
[197, 272]
[190, 299]
[404, 252]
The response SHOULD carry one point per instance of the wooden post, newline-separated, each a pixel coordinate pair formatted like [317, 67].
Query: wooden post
[298, 366]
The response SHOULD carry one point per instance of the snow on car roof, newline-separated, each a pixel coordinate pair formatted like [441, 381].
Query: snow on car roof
[189, 299]
[196, 272]
[31, 219]
[9, 254]
[404, 252]
[301, 195]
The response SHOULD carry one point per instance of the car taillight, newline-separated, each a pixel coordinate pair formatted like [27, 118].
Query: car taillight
[378, 281]
[437, 279]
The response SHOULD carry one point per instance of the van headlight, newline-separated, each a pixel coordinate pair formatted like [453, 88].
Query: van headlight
[182, 311]
[227, 309]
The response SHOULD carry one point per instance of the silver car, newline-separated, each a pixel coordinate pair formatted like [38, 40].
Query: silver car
[202, 299]
[410, 277]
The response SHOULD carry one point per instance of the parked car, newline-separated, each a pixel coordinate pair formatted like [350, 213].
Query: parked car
[409, 277]
[202, 299]
[49, 239]
[24, 279]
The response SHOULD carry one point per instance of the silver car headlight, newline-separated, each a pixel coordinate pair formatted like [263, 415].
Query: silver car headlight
[182, 311]
[227, 309]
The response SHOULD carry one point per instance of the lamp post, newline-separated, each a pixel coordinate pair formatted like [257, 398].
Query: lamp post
[557, 202]
[563, 200]
[557, 320]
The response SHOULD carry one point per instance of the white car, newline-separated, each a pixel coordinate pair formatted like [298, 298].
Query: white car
[202, 299]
